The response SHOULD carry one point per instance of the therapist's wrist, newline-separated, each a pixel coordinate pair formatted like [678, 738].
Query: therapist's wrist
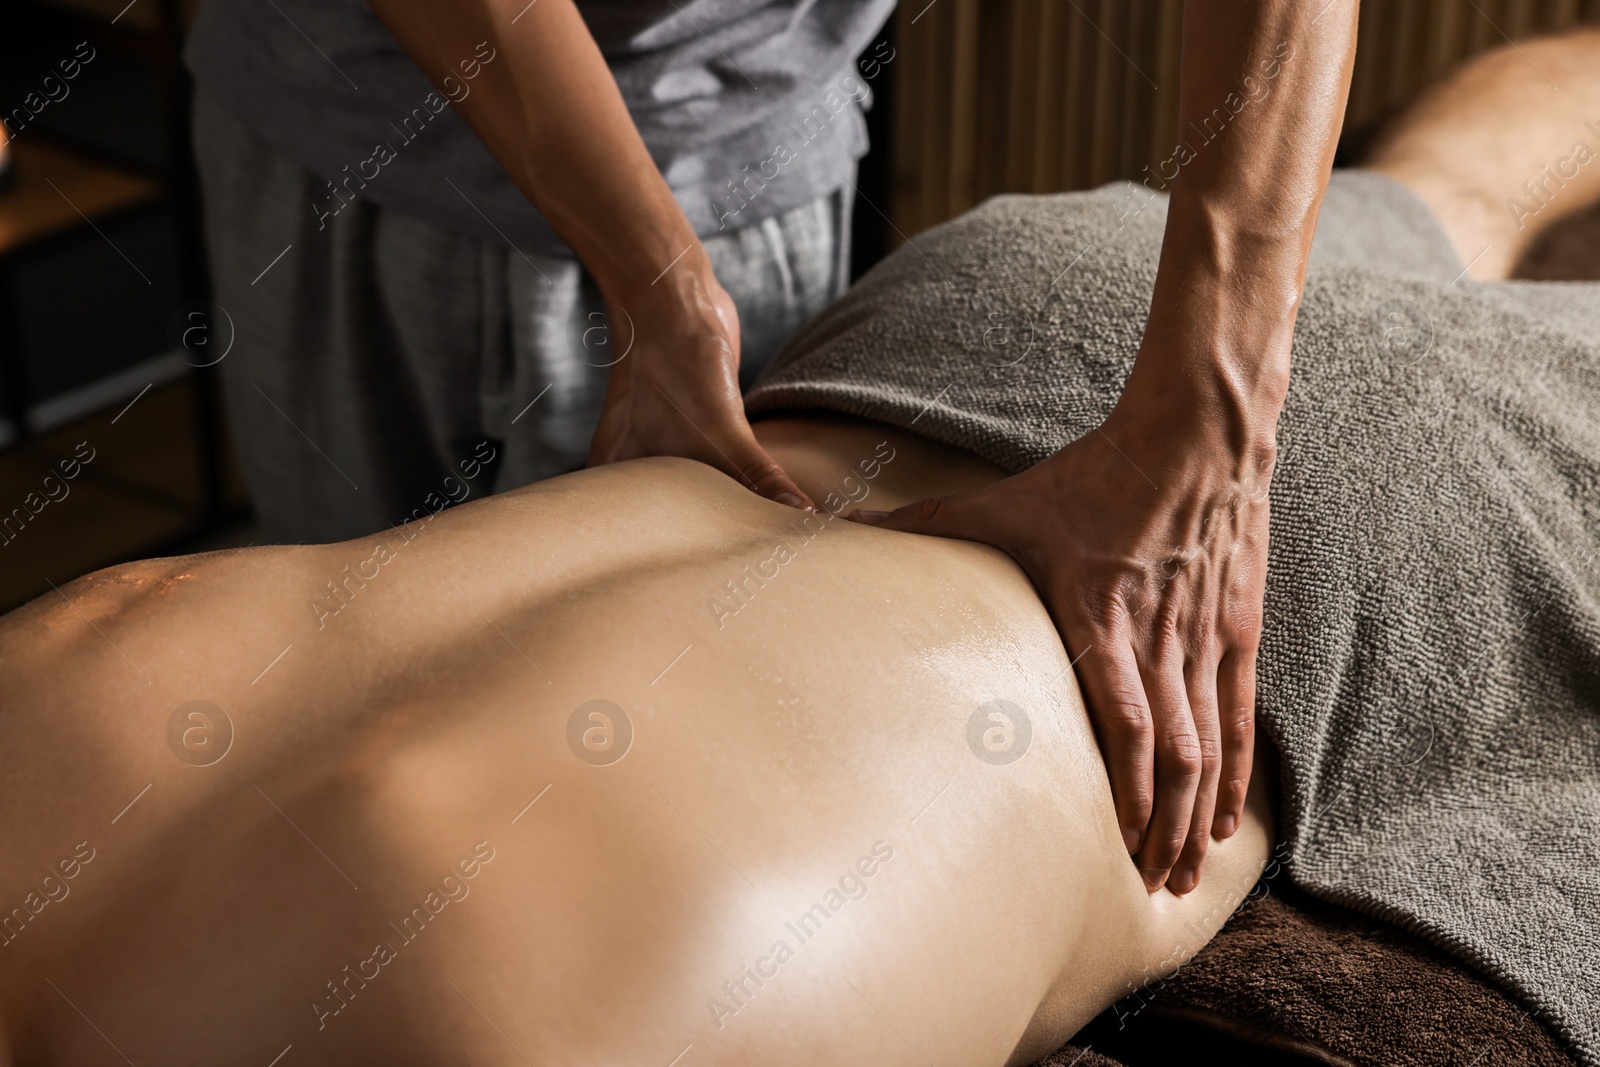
[633, 240]
[682, 312]
[1209, 394]
[664, 269]
[1174, 429]
[1215, 357]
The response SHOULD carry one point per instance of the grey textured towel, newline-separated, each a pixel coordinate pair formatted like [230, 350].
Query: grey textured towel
[1430, 671]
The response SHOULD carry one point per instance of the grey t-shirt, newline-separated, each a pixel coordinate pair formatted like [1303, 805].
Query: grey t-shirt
[749, 107]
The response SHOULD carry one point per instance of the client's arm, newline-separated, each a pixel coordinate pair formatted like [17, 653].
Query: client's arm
[1148, 536]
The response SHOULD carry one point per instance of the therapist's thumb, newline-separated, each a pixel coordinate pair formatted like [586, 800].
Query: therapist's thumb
[758, 470]
[939, 516]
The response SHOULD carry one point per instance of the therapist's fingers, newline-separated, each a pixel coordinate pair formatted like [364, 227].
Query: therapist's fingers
[674, 391]
[751, 464]
[664, 410]
[1236, 700]
[1201, 680]
[1177, 766]
[1093, 616]
[961, 515]
[1119, 710]
[721, 439]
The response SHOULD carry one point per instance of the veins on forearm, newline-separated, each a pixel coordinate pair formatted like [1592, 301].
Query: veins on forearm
[1263, 93]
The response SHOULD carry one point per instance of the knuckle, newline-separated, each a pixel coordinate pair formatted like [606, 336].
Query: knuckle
[1167, 624]
[1126, 719]
[1242, 721]
[1103, 606]
[1136, 799]
[762, 473]
[1167, 847]
[1100, 609]
[1243, 625]
[1181, 769]
[928, 509]
[1181, 756]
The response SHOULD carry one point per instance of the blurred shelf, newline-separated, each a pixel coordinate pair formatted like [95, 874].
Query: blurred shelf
[57, 190]
[105, 392]
[141, 495]
[99, 243]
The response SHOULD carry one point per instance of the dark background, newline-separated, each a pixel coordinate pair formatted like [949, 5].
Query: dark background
[101, 266]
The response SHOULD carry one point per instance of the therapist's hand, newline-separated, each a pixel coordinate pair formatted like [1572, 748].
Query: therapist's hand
[674, 390]
[1147, 539]
[532, 83]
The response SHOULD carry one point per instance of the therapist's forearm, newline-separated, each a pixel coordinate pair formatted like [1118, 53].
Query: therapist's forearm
[550, 111]
[1262, 100]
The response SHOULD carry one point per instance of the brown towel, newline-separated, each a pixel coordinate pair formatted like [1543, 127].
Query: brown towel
[1293, 979]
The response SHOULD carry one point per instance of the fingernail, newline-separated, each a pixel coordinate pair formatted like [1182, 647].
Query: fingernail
[790, 500]
[1225, 827]
[871, 518]
[1182, 880]
[1132, 839]
[1152, 878]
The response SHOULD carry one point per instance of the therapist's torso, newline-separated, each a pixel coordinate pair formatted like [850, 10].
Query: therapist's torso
[750, 107]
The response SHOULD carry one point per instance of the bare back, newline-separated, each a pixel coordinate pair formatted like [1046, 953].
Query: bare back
[626, 765]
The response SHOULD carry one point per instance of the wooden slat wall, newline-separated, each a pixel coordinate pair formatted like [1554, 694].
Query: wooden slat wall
[997, 96]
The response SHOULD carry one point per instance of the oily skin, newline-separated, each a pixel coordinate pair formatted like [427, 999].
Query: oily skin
[405, 728]
[1155, 577]
[826, 715]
